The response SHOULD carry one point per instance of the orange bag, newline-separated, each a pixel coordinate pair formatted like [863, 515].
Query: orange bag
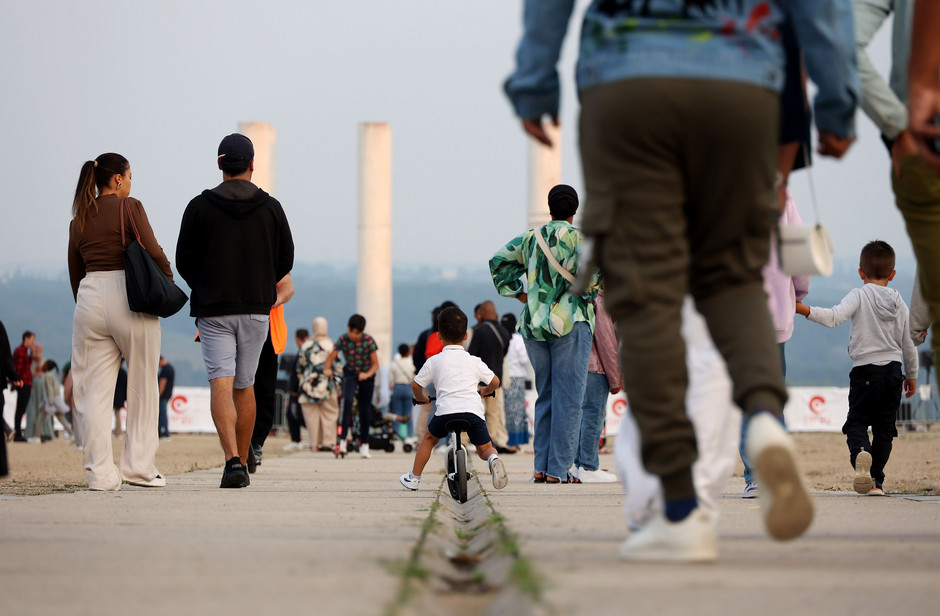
[278, 329]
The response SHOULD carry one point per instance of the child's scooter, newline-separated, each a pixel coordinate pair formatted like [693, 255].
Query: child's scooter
[456, 453]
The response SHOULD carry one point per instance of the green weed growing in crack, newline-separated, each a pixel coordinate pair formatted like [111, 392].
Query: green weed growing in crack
[412, 571]
[524, 578]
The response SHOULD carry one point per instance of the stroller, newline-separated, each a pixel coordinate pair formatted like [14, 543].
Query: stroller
[382, 433]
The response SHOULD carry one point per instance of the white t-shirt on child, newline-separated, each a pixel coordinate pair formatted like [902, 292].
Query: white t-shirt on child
[456, 375]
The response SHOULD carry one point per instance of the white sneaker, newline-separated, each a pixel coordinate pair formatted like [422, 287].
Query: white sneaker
[34, 440]
[364, 451]
[292, 446]
[750, 490]
[498, 471]
[863, 482]
[789, 508]
[156, 482]
[410, 481]
[598, 476]
[694, 539]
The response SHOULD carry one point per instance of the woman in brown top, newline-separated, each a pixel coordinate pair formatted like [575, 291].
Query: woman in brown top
[105, 329]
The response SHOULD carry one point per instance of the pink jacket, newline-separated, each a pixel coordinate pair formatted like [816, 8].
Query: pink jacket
[604, 348]
[784, 291]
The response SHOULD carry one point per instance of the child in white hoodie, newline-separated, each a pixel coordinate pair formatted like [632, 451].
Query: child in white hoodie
[879, 339]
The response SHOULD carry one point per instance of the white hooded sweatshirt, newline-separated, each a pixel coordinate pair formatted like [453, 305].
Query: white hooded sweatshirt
[880, 326]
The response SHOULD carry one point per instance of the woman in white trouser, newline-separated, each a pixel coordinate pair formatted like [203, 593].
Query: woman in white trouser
[105, 329]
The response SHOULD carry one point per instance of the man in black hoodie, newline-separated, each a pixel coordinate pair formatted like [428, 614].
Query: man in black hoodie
[234, 247]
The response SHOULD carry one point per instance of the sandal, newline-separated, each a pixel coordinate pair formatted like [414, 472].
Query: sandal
[550, 479]
[538, 478]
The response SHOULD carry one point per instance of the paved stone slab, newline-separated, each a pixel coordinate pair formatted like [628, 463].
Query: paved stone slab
[316, 535]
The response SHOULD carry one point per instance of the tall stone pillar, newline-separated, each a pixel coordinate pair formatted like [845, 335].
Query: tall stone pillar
[544, 172]
[263, 137]
[374, 280]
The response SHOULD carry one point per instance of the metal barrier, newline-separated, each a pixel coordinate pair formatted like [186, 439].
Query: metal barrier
[281, 400]
[921, 410]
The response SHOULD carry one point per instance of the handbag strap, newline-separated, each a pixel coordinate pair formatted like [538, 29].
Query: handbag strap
[551, 258]
[129, 217]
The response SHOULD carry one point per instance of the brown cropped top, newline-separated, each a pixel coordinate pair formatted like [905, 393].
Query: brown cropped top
[98, 247]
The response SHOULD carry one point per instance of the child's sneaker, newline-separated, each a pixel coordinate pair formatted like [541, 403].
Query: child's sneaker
[863, 482]
[498, 471]
[410, 481]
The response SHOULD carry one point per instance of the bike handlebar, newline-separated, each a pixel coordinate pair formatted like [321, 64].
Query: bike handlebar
[433, 398]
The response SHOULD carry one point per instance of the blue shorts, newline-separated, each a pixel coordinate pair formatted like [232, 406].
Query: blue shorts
[478, 434]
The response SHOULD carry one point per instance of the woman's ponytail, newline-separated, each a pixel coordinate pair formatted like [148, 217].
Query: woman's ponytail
[95, 175]
[84, 194]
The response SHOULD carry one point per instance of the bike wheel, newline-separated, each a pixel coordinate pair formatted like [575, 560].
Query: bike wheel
[461, 475]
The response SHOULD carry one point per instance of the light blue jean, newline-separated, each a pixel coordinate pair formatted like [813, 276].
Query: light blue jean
[560, 374]
[593, 412]
[401, 406]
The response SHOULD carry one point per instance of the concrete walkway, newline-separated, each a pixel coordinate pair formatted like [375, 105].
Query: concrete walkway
[318, 535]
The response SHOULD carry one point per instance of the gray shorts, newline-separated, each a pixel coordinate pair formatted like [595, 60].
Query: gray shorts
[231, 345]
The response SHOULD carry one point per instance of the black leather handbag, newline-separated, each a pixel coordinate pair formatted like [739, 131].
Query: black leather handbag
[149, 290]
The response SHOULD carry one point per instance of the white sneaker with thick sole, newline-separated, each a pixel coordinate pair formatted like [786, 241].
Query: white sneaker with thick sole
[750, 490]
[598, 476]
[410, 481]
[788, 511]
[498, 471]
[156, 482]
[863, 482]
[364, 451]
[691, 540]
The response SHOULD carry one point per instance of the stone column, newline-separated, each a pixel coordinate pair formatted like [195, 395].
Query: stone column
[374, 280]
[544, 173]
[263, 137]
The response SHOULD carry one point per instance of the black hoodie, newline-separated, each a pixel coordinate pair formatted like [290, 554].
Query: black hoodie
[233, 248]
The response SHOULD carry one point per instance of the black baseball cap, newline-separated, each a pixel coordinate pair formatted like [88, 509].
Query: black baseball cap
[236, 148]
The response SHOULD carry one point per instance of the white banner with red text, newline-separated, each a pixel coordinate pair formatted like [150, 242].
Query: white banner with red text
[810, 409]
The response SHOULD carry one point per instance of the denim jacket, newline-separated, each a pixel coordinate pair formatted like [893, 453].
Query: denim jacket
[733, 40]
[885, 105]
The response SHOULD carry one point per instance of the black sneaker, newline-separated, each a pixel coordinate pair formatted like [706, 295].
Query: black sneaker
[235, 475]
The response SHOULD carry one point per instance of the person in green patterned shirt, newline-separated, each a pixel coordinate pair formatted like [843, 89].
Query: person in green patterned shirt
[557, 326]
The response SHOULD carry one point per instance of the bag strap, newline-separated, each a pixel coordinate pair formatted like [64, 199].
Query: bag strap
[551, 258]
[495, 329]
[130, 218]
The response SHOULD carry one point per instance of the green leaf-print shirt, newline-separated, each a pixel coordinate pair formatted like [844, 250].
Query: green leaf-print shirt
[550, 310]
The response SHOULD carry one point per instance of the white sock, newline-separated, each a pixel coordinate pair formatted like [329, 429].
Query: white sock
[413, 476]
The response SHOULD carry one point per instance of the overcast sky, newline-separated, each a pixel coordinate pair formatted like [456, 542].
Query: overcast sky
[162, 82]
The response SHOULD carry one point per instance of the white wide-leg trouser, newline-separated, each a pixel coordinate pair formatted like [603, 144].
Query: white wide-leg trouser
[105, 330]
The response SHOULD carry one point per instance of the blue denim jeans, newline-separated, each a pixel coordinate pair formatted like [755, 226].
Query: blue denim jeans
[401, 406]
[163, 426]
[560, 373]
[593, 411]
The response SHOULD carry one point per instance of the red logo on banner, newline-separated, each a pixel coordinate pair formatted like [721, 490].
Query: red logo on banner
[619, 407]
[178, 404]
[817, 405]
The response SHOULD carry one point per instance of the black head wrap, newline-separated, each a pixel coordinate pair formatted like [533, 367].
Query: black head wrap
[562, 202]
